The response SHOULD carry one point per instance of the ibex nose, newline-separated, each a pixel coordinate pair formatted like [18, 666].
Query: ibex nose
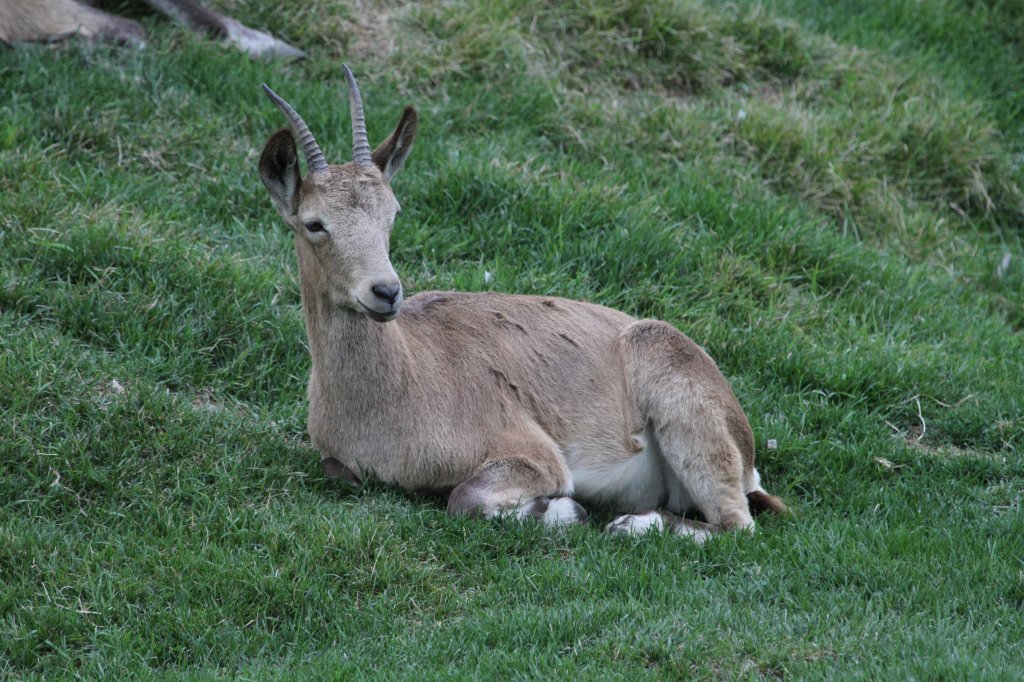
[387, 292]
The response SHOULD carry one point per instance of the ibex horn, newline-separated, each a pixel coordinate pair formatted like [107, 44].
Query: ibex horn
[360, 141]
[314, 157]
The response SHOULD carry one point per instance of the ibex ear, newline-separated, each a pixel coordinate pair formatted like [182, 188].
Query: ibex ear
[279, 170]
[391, 153]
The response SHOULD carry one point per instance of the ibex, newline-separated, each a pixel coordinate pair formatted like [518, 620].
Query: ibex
[512, 405]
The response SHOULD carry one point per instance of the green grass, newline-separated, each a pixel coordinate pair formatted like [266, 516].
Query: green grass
[821, 194]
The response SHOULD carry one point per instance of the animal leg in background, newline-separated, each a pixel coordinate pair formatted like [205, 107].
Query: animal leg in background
[254, 43]
[50, 21]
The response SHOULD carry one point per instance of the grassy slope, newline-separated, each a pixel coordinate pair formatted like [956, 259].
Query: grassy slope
[820, 197]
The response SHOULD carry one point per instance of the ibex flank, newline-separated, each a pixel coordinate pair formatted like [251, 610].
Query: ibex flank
[511, 405]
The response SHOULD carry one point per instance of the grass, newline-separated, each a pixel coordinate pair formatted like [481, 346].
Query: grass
[827, 198]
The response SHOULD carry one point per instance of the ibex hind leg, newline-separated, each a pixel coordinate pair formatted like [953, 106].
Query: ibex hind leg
[520, 480]
[693, 414]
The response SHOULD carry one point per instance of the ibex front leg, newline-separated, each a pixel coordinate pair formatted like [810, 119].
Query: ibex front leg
[522, 477]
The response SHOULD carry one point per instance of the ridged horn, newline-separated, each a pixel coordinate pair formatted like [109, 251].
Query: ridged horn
[360, 141]
[314, 157]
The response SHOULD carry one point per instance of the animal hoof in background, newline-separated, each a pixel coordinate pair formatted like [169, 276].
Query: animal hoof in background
[257, 43]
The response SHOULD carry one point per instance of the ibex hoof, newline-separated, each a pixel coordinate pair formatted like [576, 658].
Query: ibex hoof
[636, 524]
[654, 521]
[560, 511]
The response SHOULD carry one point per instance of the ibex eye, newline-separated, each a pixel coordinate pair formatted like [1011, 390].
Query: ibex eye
[315, 226]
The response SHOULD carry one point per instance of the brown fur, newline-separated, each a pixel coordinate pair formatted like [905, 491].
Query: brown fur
[54, 20]
[761, 502]
[501, 399]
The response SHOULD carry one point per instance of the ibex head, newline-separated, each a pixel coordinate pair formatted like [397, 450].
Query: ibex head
[341, 215]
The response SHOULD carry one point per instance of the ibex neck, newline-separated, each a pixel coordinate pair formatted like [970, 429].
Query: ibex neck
[356, 355]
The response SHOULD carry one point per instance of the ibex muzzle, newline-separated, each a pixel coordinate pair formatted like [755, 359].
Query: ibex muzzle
[508, 404]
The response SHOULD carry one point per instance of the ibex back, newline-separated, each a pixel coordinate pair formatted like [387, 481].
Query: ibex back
[510, 404]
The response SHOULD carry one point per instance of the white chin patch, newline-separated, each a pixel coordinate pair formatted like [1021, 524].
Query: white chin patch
[637, 524]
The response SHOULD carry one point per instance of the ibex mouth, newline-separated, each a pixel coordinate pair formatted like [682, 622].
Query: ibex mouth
[378, 316]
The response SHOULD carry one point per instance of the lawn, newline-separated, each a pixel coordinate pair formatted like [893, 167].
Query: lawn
[829, 197]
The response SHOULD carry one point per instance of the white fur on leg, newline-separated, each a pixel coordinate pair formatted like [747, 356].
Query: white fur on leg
[637, 524]
[655, 521]
[695, 530]
[559, 511]
[564, 511]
